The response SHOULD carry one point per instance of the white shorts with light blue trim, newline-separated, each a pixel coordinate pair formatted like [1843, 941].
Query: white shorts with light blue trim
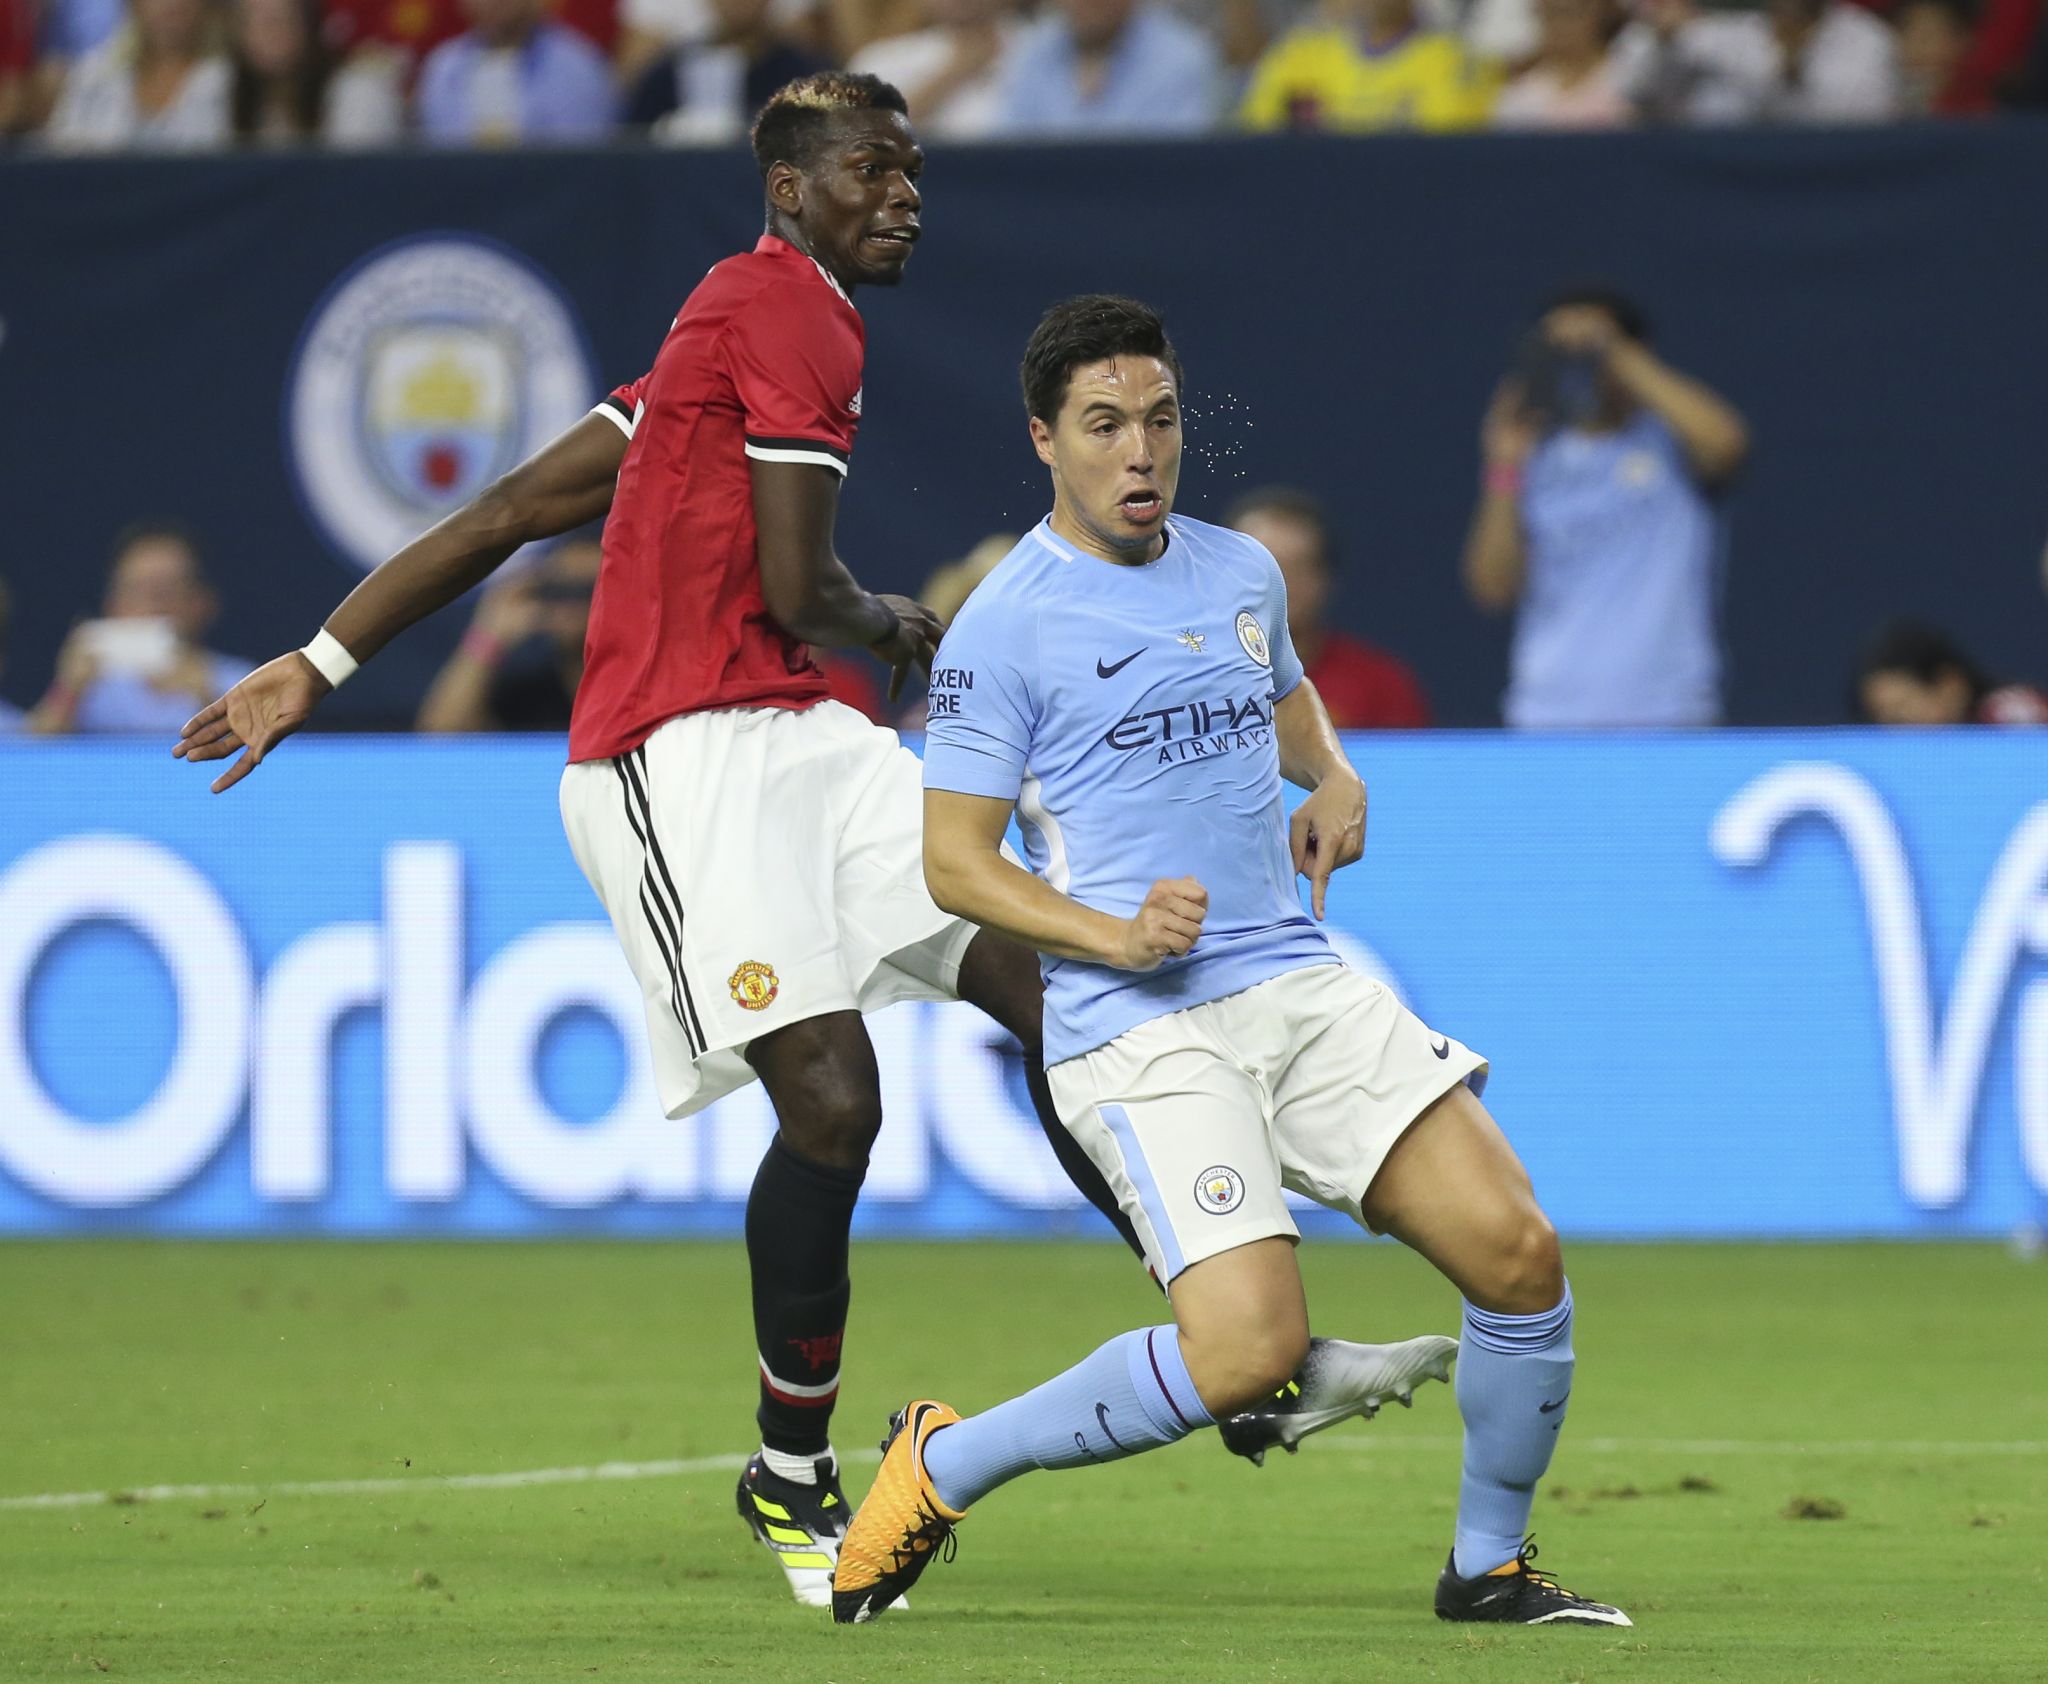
[1202, 1119]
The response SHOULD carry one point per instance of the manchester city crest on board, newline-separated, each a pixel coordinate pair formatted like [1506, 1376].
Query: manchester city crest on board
[432, 367]
[1252, 635]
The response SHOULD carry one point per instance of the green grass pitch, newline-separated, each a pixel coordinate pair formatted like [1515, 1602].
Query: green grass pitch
[1727, 1398]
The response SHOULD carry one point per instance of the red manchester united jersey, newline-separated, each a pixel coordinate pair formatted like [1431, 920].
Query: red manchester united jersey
[764, 362]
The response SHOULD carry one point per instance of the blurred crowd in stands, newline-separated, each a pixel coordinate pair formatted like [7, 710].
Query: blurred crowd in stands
[1598, 524]
[82, 75]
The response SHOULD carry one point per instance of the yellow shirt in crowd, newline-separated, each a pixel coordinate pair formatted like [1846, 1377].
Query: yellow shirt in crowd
[1325, 78]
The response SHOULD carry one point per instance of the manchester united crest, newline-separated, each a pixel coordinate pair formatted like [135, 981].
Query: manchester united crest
[753, 986]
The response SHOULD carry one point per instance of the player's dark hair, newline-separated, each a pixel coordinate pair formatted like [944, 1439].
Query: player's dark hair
[1292, 504]
[793, 125]
[1627, 314]
[151, 532]
[1089, 329]
[1923, 653]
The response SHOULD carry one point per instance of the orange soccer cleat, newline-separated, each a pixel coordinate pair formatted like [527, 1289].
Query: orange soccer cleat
[900, 1525]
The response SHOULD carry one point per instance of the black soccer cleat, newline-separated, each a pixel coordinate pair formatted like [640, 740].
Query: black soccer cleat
[801, 1525]
[1517, 1594]
[1337, 1381]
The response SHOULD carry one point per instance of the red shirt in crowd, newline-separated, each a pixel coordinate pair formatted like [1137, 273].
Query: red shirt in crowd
[17, 35]
[416, 27]
[764, 362]
[1365, 688]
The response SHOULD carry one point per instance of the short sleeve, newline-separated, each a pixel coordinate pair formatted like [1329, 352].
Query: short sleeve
[795, 357]
[980, 715]
[624, 405]
[1287, 669]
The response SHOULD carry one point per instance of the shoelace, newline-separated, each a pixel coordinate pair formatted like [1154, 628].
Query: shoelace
[930, 1533]
[1536, 1575]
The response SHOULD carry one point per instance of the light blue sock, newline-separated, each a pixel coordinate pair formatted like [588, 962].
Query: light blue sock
[1514, 1374]
[1133, 1394]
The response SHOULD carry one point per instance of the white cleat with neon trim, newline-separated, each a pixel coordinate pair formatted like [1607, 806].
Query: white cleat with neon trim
[1336, 1381]
[801, 1525]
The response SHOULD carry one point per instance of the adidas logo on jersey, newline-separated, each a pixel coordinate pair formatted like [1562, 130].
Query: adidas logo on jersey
[853, 403]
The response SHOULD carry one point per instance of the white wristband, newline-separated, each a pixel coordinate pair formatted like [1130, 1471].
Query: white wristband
[330, 660]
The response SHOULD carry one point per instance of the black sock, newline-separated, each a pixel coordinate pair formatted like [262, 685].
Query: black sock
[798, 1217]
[1080, 1168]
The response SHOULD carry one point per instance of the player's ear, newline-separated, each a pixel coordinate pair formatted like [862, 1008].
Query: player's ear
[1041, 440]
[785, 187]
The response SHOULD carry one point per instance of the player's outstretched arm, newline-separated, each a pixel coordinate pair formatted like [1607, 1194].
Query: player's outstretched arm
[1328, 829]
[566, 484]
[968, 876]
[809, 589]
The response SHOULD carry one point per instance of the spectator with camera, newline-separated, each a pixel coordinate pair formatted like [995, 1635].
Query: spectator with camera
[1364, 688]
[141, 666]
[519, 663]
[1598, 522]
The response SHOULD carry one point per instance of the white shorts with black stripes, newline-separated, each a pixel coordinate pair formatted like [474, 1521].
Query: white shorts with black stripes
[761, 866]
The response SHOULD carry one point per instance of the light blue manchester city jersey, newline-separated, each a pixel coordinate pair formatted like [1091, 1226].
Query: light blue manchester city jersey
[1129, 713]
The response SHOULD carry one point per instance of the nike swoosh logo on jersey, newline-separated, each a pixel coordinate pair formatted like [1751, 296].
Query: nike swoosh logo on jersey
[1112, 670]
[1546, 1408]
[1441, 1048]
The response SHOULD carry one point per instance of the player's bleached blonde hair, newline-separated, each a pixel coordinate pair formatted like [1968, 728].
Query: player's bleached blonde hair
[797, 114]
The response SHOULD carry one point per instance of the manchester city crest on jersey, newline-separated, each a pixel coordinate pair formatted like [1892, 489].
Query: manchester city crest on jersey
[1219, 1190]
[1252, 635]
[432, 367]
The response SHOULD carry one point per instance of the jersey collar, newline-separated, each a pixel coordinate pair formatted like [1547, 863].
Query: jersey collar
[1045, 535]
[774, 245]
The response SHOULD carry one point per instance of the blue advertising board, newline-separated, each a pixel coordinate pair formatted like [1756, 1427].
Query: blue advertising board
[1732, 984]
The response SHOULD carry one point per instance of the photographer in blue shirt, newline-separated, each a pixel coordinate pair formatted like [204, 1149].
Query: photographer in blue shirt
[1597, 520]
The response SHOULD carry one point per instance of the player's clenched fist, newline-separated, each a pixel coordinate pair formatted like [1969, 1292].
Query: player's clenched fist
[1166, 925]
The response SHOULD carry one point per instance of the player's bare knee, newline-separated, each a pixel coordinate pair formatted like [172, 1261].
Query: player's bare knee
[838, 1130]
[1245, 1369]
[1525, 1275]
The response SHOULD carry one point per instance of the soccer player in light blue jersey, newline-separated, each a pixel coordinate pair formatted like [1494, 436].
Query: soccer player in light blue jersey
[1124, 683]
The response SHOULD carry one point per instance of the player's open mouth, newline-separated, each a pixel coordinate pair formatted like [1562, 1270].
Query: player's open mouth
[1141, 505]
[900, 238]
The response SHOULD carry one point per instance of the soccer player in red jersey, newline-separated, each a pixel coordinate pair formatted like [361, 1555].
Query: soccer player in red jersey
[757, 845]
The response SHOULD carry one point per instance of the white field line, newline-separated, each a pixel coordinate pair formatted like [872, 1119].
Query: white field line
[1896, 1447]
